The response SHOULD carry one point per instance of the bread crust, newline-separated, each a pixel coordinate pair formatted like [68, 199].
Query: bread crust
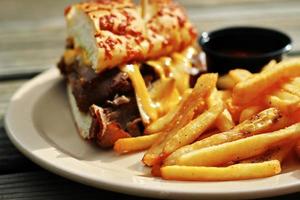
[82, 120]
[114, 32]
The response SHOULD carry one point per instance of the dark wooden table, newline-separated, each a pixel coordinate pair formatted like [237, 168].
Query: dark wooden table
[32, 34]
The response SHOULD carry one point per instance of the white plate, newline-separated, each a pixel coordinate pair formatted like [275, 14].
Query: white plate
[40, 124]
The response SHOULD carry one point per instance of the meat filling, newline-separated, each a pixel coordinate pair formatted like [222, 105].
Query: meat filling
[108, 97]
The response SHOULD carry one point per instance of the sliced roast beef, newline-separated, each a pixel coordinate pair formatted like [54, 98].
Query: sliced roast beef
[108, 97]
[90, 88]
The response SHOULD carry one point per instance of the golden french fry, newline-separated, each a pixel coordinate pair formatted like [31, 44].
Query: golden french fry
[233, 172]
[226, 82]
[204, 86]
[256, 125]
[269, 66]
[224, 121]
[295, 116]
[296, 81]
[225, 94]
[208, 133]
[234, 110]
[239, 149]
[284, 101]
[250, 111]
[276, 153]
[234, 76]
[154, 155]
[282, 122]
[245, 91]
[239, 75]
[128, 145]
[297, 148]
[292, 86]
[194, 129]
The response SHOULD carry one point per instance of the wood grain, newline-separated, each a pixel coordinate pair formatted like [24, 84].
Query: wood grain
[7, 89]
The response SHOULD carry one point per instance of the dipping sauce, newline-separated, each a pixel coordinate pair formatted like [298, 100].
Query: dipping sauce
[243, 47]
[239, 52]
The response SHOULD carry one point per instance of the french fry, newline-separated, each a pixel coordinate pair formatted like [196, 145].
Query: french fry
[154, 155]
[269, 66]
[239, 75]
[234, 110]
[224, 121]
[297, 148]
[276, 153]
[208, 133]
[295, 116]
[258, 124]
[282, 122]
[235, 76]
[128, 145]
[225, 94]
[296, 81]
[187, 135]
[226, 82]
[245, 91]
[194, 129]
[250, 111]
[284, 101]
[233, 172]
[204, 86]
[293, 86]
[240, 149]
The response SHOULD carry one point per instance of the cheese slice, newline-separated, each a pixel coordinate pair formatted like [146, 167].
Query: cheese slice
[114, 33]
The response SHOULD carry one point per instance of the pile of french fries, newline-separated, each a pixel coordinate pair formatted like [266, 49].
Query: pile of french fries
[238, 126]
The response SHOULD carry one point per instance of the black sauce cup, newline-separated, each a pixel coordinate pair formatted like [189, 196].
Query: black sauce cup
[243, 47]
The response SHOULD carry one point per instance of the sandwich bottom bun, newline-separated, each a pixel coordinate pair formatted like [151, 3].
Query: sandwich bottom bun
[82, 120]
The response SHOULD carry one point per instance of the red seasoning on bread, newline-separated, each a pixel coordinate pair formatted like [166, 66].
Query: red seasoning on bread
[124, 69]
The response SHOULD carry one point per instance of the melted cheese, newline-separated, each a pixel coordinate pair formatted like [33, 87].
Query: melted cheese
[145, 104]
[165, 92]
[165, 95]
[177, 66]
[158, 68]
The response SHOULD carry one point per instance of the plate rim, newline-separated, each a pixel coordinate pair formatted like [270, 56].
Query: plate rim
[130, 189]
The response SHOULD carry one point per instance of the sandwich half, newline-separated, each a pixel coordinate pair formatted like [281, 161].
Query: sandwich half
[126, 65]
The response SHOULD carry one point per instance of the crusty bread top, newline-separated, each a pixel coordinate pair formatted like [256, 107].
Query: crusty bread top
[114, 32]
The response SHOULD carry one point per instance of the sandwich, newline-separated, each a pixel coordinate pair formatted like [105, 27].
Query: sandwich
[126, 65]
